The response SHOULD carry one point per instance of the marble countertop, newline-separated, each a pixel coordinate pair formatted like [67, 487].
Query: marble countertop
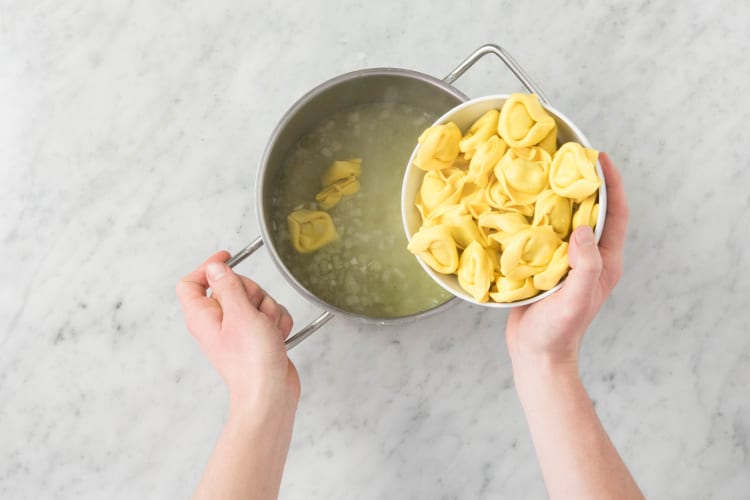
[130, 136]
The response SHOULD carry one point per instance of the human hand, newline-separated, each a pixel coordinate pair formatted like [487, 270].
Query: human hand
[241, 329]
[551, 330]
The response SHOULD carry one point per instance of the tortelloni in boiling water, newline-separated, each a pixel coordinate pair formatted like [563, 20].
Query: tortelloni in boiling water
[310, 230]
[339, 180]
[331, 195]
[342, 170]
[499, 203]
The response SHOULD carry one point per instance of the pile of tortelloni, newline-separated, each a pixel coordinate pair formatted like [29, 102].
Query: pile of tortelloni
[499, 202]
[311, 230]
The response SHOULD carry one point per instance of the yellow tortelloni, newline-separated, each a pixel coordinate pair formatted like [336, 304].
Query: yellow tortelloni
[494, 255]
[311, 230]
[474, 199]
[438, 147]
[485, 159]
[339, 180]
[498, 198]
[587, 212]
[523, 174]
[553, 210]
[341, 170]
[549, 143]
[475, 271]
[523, 122]
[331, 195]
[573, 172]
[439, 187]
[435, 246]
[501, 227]
[479, 132]
[529, 252]
[556, 269]
[459, 223]
[510, 290]
[436, 216]
[463, 228]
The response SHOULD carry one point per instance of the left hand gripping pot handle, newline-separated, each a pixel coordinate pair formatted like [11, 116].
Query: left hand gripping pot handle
[311, 327]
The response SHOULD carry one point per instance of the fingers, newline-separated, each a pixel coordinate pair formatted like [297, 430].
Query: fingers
[228, 290]
[266, 304]
[201, 313]
[285, 323]
[612, 243]
[195, 284]
[277, 314]
[615, 225]
[255, 293]
[586, 263]
[270, 308]
[232, 296]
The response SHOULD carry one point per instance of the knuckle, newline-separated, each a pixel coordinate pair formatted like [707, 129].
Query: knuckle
[254, 292]
[569, 312]
[272, 308]
[589, 266]
[232, 283]
[251, 286]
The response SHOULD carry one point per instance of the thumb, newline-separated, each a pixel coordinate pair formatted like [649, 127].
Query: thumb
[228, 290]
[586, 263]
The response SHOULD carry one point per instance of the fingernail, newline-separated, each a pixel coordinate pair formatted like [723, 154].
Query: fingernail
[585, 236]
[215, 270]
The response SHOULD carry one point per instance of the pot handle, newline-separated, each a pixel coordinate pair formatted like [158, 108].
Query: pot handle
[511, 63]
[307, 330]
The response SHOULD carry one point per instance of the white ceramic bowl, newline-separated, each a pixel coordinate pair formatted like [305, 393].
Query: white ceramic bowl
[464, 115]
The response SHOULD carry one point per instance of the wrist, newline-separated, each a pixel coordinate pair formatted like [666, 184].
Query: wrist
[541, 372]
[260, 397]
[261, 423]
[263, 406]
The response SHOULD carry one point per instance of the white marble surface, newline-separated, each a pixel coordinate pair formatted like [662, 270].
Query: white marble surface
[130, 133]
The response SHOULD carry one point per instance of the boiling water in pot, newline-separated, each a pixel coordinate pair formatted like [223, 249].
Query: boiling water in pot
[368, 270]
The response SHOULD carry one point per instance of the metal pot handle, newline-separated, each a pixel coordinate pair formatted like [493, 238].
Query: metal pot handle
[306, 331]
[509, 62]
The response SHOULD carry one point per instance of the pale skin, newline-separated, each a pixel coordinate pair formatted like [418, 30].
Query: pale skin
[577, 458]
[242, 329]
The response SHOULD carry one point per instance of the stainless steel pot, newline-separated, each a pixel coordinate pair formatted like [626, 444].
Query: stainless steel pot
[359, 87]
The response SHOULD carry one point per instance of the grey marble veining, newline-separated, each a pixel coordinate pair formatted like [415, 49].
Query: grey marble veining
[130, 136]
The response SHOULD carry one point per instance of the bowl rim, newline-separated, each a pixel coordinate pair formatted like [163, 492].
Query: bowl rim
[407, 198]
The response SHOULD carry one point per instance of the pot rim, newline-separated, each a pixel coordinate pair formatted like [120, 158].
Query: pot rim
[263, 167]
